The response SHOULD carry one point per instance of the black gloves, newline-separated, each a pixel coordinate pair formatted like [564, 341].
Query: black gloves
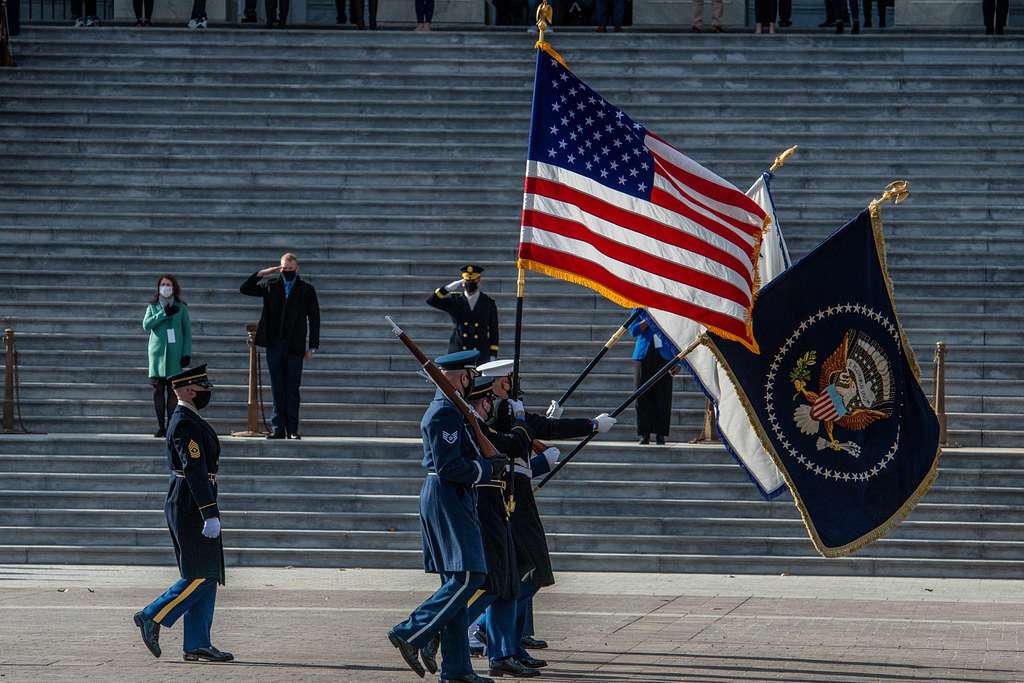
[185, 360]
[171, 310]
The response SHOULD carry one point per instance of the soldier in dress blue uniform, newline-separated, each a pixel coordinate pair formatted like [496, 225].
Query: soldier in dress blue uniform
[452, 546]
[474, 313]
[193, 519]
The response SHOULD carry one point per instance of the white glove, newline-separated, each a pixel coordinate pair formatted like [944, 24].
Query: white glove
[211, 527]
[518, 409]
[604, 422]
[554, 410]
[551, 454]
[452, 286]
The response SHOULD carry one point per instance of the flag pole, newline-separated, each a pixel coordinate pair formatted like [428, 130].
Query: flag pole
[612, 341]
[644, 388]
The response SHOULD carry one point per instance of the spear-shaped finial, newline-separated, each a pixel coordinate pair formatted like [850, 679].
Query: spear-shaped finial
[781, 159]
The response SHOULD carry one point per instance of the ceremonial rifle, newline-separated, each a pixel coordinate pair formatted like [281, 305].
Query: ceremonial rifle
[436, 375]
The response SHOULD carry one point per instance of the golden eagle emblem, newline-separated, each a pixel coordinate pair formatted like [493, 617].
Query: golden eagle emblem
[855, 390]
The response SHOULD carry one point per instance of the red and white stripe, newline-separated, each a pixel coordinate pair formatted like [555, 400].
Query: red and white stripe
[690, 250]
[824, 408]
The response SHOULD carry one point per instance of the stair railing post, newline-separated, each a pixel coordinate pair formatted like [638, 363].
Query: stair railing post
[939, 389]
[8, 417]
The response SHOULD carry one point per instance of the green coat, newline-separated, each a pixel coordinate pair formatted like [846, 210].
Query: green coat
[164, 357]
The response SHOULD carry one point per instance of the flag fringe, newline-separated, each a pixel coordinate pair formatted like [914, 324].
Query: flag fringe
[620, 300]
[546, 47]
[875, 211]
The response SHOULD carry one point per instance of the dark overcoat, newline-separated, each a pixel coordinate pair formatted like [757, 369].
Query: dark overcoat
[193, 455]
[448, 516]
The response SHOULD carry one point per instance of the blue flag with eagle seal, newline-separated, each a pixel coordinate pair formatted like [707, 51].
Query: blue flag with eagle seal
[835, 395]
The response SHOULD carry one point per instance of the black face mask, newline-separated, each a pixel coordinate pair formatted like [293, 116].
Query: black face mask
[289, 275]
[472, 287]
[201, 399]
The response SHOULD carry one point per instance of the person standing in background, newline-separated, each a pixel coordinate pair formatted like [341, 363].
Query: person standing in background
[170, 345]
[765, 12]
[143, 19]
[996, 13]
[654, 408]
[290, 309]
[424, 14]
[474, 313]
[717, 10]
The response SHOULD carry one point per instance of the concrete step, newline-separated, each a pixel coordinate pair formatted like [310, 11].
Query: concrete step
[575, 525]
[261, 122]
[302, 539]
[737, 564]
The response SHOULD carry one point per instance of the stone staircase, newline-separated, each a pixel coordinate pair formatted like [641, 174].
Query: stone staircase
[386, 161]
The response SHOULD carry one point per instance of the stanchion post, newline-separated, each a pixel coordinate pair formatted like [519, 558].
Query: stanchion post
[939, 400]
[253, 400]
[8, 419]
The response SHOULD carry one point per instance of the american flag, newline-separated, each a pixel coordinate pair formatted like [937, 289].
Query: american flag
[611, 206]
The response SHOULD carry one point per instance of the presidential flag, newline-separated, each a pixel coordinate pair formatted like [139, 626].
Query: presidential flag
[611, 206]
[835, 396]
[730, 417]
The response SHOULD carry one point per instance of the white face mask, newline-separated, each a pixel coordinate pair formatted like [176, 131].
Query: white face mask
[166, 291]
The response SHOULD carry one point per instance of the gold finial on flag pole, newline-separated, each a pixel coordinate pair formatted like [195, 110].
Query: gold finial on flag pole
[781, 159]
[896, 192]
[545, 13]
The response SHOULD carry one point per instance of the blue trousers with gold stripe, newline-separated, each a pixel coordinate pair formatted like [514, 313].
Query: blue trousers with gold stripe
[193, 598]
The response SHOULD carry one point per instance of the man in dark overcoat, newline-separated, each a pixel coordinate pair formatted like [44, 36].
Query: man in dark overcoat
[193, 518]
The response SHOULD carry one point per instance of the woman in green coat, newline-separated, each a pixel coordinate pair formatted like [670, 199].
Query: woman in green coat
[170, 345]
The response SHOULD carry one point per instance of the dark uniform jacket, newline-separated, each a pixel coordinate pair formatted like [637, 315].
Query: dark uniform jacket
[504, 569]
[193, 452]
[448, 516]
[285, 318]
[475, 328]
[527, 529]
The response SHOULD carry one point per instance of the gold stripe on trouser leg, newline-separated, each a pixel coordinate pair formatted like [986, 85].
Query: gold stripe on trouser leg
[479, 592]
[176, 601]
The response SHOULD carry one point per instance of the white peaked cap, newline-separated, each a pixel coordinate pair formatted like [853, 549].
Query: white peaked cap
[496, 368]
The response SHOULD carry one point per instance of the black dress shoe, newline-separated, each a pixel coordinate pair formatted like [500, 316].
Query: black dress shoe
[855, 29]
[531, 662]
[295, 436]
[660, 440]
[468, 678]
[531, 643]
[644, 440]
[208, 654]
[510, 666]
[826, 24]
[839, 27]
[408, 652]
[785, 24]
[160, 433]
[429, 654]
[277, 435]
[150, 632]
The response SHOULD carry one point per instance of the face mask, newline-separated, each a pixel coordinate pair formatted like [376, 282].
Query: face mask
[289, 275]
[201, 399]
[471, 287]
[166, 291]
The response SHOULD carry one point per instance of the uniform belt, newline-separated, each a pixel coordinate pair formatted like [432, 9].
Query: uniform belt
[491, 484]
[181, 475]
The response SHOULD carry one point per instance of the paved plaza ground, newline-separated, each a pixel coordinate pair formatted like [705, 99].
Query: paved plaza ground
[74, 623]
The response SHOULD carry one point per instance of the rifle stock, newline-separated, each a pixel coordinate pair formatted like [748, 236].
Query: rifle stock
[436, 375]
